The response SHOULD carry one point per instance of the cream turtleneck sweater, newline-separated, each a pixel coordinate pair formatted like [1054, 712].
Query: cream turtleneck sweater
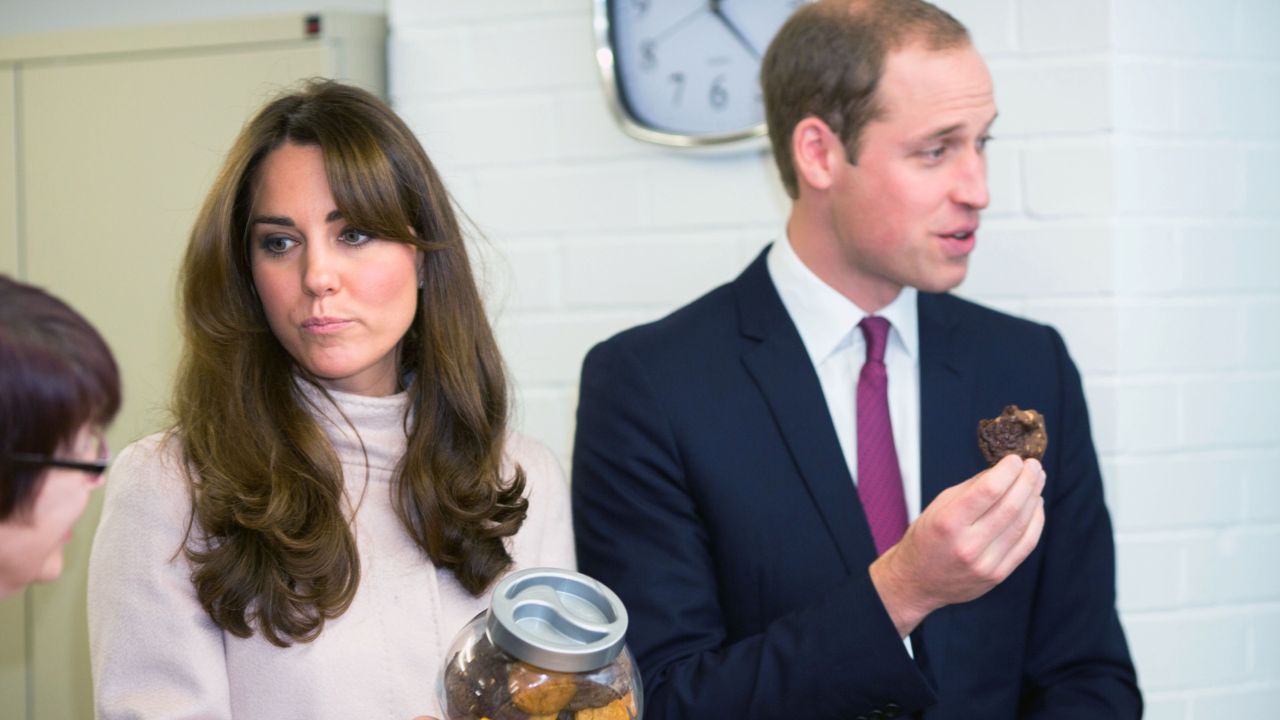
[157, 654]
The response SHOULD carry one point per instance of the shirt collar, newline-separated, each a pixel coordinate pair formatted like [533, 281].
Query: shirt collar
[826, 319]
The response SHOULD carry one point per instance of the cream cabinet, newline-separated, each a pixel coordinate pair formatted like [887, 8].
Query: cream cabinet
[108, 142]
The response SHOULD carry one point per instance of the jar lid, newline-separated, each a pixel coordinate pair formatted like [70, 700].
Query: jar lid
[557, 620]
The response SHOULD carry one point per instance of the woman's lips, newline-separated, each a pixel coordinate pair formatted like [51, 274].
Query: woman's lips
[325, 325]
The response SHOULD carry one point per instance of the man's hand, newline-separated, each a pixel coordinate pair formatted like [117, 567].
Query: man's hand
[969, 539]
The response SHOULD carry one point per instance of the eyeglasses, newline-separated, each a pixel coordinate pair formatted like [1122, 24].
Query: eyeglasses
[96, 467]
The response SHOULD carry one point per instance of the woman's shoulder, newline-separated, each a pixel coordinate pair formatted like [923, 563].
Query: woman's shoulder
[159, 447]
[536, 459]
[153, 462]
[546, 538]
[146, 487]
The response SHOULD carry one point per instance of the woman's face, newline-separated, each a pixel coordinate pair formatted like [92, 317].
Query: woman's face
[338, 300]
[31, 542]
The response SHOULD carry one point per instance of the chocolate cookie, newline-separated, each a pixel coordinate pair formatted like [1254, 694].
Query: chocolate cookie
[539, 692]
[621, 709]
[592, 695]
[1013, 432]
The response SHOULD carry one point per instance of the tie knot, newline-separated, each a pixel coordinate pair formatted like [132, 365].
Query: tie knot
[876, 332]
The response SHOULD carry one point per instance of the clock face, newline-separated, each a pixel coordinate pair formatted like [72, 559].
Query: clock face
[686, 72]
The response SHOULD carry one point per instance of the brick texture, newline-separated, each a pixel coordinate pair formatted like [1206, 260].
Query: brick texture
[1135, 183]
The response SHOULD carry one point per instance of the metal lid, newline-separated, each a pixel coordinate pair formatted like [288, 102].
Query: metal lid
[557, 620]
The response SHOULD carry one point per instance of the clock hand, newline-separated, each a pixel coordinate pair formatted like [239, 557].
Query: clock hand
[677, 25]
[733, 29]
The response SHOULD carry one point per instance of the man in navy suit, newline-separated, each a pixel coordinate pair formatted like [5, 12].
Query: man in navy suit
[724, 455]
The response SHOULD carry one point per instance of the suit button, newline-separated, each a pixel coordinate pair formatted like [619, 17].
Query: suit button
[892, 710]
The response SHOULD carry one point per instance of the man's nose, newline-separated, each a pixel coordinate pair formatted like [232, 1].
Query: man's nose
[971, 182]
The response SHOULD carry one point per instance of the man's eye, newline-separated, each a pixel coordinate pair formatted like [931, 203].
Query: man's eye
[936, 153]
[983, 141]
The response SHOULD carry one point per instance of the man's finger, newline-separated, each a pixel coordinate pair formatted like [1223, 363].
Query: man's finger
[1009, 508]
[1008, 535]
[1030, 538]
[984, 490]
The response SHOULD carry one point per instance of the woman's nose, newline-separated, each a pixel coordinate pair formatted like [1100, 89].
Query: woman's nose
[320, 273]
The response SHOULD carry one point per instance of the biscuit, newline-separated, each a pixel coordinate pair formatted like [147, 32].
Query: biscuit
[1013, 432]
[540, 692]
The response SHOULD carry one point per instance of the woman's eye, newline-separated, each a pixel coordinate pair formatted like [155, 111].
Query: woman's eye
[935, 153]
[277, 244]
[351, 236]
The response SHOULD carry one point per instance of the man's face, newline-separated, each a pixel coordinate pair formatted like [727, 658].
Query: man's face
[906, 213]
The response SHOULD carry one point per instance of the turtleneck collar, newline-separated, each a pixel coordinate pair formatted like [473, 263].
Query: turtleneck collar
[380, 422]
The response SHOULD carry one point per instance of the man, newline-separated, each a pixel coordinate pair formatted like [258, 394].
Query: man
[744, 473]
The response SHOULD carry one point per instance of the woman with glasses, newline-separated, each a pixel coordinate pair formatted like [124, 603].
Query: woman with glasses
[340, 490]
[59, 389]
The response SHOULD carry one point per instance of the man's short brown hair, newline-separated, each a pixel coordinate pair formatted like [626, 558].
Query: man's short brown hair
[827, 61]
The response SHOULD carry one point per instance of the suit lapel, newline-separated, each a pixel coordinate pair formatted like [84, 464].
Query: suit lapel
[781, 369]
[947, 437]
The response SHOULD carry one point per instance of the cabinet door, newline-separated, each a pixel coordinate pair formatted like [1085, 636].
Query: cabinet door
[118, 154]
[8, 178]
[13, 655]
[13, 635]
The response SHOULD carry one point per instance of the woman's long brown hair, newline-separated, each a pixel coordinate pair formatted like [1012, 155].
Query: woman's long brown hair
[270, 544]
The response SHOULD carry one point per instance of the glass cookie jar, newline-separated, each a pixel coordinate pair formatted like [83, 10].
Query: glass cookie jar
[550, 647]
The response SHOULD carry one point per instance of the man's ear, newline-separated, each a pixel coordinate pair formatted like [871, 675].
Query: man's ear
[816, 152]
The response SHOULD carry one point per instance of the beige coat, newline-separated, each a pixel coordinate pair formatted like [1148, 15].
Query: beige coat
[157, 654]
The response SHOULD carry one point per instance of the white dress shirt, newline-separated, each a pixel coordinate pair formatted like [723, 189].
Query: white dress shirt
[828, 325]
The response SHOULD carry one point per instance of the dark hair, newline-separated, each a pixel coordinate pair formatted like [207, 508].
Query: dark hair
[56, 376]
[289, 564]
[827, 60]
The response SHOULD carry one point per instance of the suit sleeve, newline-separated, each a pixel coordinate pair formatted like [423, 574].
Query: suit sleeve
[639, 530]
[1078, 663]
[154, 650]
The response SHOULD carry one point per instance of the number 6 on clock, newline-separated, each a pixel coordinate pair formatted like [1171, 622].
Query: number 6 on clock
[685, 73]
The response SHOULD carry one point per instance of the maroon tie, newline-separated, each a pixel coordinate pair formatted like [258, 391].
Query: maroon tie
[879, 480]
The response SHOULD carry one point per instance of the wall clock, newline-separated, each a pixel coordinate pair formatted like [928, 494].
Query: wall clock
[685, 73]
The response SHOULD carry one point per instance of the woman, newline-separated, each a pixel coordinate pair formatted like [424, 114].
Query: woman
[59, 389]
[339, 489]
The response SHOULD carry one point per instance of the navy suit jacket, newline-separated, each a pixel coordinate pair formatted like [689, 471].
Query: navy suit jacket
[711, 494]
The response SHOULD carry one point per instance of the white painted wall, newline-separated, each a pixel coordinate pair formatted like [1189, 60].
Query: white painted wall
[1136, 202]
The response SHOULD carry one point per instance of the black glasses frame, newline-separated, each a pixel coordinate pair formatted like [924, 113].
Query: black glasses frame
[97, 467]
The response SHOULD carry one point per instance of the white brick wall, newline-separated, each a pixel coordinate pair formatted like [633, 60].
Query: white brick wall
[1135, 205]
[1068, 27]
[1195, 484]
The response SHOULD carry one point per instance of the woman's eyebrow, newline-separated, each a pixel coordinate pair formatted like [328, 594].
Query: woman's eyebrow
[333, 216]
[274, 220]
